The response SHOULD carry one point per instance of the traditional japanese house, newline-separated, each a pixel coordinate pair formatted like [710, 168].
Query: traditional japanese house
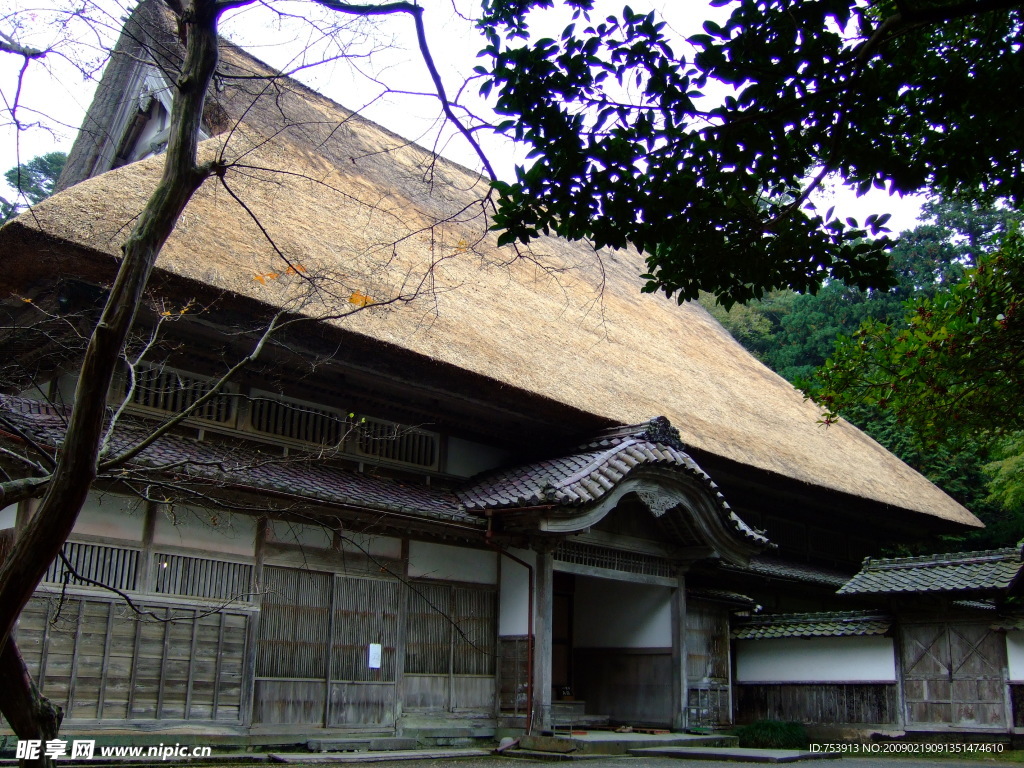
[466, 487]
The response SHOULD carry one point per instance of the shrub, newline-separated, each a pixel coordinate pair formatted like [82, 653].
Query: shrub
[772, 734]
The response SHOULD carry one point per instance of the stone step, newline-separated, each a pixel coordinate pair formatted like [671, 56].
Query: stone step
[357, 744]
[383, 756]
[733, 754]
[568, 708]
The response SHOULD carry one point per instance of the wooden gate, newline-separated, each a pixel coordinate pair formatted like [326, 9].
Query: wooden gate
[953, 676]
[450, 657]
[313, 654]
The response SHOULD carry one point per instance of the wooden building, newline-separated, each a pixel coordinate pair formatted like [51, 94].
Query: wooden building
[941, 652]
[467, 483]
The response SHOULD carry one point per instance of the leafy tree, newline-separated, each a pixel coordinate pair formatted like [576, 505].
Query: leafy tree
[795, 334]
[953, 366]
[891, 95]
[33, 180]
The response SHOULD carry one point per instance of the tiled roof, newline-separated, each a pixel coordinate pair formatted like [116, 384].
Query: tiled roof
[597, 467]
[845, 624]
[1010, 622]
[775, 568]
[987, 570]
[242, 464]
[723, 596]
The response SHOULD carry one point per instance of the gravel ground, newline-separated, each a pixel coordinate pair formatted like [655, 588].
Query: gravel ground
[665, 762]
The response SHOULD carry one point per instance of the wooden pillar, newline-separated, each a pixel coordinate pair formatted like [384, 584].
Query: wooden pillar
[543, 603]
[680, 694]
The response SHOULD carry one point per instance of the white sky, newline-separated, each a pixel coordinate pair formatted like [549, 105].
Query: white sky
[55, 97]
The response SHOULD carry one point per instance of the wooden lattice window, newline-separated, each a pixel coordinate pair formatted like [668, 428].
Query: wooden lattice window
[395, 442]
[203, 577]
[170, 391]
[613, 559]
[295, 624]
[115, 567]
[451, 630]
[295, 420]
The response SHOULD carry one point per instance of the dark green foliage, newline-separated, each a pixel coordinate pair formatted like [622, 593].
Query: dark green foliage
[952, 366]
[795, 334]
[33, 180]
[624, 151]
[772, 734]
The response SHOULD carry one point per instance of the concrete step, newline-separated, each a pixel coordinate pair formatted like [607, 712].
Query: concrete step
[355, 744]
[563, 708]
[373, 757]
[611, 743]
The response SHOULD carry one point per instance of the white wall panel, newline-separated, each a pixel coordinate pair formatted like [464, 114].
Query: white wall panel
[205, 530]
[618, 614]
[815, 660]
[111, 516]
[1015, 655]
[441, 561]
[514, 596]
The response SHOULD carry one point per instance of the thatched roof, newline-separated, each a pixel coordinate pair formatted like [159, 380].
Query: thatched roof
[369, 214]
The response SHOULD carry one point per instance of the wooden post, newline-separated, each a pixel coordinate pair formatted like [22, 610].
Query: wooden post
[253, 625]
[146, 576]
[680, 693]
[544, 601]
[401, 636]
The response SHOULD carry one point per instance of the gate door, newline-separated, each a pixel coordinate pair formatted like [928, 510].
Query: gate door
[953, 675]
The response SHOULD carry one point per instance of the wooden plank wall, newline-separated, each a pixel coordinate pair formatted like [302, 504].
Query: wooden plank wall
[709, 702]
[309, 664]
[312, 653]
[630, 685]
[513, 664]
[99, 660]
[824, 703]
[451, 654]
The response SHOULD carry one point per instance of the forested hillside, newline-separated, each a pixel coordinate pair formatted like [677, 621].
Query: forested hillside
[796, 333]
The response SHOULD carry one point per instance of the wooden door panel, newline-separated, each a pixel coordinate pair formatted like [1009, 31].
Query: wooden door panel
[953, 675]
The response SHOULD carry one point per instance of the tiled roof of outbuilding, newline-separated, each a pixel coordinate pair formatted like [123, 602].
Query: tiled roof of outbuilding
[736, 599]
[775, 568]
[986, 570]
[844, 624]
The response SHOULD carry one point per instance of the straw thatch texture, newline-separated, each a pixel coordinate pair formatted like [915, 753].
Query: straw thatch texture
[365, 214]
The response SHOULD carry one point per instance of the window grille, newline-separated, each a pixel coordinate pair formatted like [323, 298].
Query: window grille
[613, 559]
[203, 577]
[394, 442]
[297, 421]
[167, 390]
[115, 567]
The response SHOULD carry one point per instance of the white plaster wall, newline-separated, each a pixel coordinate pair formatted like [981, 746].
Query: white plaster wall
[466, 458]
[618, 614]
[112, 517]
[205, 530]
[440, 561]
[514, 594]
[374, 546]
[816, 660]
[322, 537]
[1015, 655]
[300, 534]
[8, 516]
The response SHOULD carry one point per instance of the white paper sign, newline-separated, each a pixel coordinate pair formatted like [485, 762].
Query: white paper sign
[376, 651]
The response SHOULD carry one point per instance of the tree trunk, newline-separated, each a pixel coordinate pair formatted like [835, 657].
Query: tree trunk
[30, 714]
[38, 544]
